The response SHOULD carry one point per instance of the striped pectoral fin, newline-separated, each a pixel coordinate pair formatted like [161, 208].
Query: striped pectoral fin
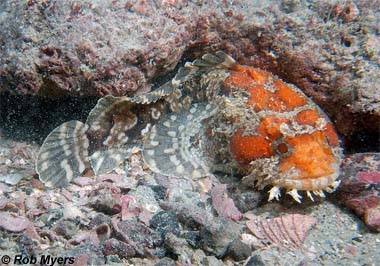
[168, 88]
[100, 118]
[219, 60]
[63, 155]
[104, 161]
[155, 95]
[117, 135]
[109, 122]
[174, 147]
[208, 62]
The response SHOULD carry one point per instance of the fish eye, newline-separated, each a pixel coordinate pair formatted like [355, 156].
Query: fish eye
[282, 148]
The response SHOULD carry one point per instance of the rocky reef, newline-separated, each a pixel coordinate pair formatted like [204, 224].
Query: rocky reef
[329, 49]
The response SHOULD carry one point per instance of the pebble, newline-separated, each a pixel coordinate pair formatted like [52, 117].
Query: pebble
[115, 247]
[165, 222]
[91, 254]
[140, 234]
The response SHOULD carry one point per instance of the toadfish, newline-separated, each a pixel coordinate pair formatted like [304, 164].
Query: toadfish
[214, 114]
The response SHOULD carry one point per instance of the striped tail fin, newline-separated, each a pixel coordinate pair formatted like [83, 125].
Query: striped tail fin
[64, 154]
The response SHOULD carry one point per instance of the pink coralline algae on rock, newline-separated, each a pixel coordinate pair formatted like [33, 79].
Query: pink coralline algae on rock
[368, 177]
[82, 48]
[223, 204]
[13, 223]
[360, 187]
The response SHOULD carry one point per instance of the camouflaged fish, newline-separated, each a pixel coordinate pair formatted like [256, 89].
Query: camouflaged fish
[215, 114]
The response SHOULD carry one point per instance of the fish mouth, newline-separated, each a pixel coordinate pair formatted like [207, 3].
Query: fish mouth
[322, 182]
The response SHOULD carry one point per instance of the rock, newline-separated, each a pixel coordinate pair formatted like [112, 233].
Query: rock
[188, 214]
[66, 228]
[11, 179]
[146, 198]
[98, 219]
[106, 200]
[87, 254]
[26, 245]
[247, 200]
[104, 61]
[277, 256]
[238, 251]
[337, 66]
[199, 257]
[12, 222]
[159, 252]
[166, 262]
[360, 187]
[223, 204]
[140, 234]
[179, 247]
[255, 260]
[192, 237]
[114, 260]
[159, 192]
[115, 247]
[165, 222]
[218, 234]
[103, 232]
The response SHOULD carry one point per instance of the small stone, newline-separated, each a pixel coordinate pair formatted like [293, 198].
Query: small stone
[146, 198]
[255, 260]
[165, 262]
[13, 223]
[66, 228]
[88, 253]
[189, 214]
[165, 222]
[105, 201]
[372, 218]
[115, 247]
[212, 261]
[100, 218]
[159, 252]
[49, 218]
[277, 256]
[238, 251]
[192, 237]
[159, 192]
[179, 247]
[103, 232]
[198, 257]
[139, 233]
[218, 235]
[246, 201]
[360, 187]
[11, 179]
[114, 259]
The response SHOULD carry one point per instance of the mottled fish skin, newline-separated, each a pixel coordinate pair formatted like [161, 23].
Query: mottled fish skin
[213, 111]
[175, 146]
[113, 129]
[110, 134]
